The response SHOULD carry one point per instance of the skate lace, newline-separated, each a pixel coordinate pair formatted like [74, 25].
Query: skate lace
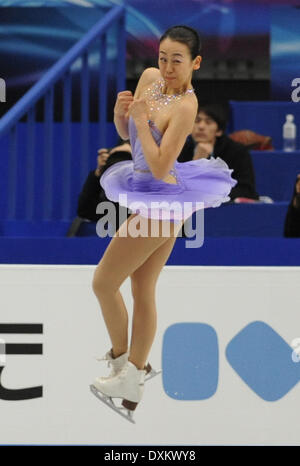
[103, 358]
[123, 372]
[113, 371]
[109, 364]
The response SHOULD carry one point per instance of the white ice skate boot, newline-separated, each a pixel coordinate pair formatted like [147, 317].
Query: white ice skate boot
[118, 363]
[127, 385]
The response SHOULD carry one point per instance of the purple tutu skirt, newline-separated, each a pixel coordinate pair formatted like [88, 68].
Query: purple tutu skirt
[200, 184]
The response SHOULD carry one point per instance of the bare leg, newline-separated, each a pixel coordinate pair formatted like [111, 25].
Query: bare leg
[145, 316]
[118, 333]
[122, 257]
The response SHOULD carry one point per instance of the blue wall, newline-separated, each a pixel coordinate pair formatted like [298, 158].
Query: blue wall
[214, 252]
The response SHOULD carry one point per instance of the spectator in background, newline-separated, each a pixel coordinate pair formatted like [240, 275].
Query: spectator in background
[208, 140]
[92, 193]
[292, 219]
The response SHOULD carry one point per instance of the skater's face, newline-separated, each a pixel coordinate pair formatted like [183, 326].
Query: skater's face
[205, 129]
[175, 63]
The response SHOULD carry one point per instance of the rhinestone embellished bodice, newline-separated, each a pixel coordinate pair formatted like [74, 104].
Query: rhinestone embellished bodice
[157, 101]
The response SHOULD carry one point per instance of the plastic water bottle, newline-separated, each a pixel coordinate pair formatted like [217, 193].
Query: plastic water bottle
[289, 134]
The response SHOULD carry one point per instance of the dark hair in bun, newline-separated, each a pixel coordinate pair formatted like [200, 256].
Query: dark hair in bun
[186, 35]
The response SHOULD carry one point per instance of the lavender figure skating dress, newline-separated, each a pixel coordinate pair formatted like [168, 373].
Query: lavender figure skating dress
[200, 183]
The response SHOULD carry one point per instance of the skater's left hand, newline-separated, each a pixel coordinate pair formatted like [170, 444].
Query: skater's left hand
[138, 110]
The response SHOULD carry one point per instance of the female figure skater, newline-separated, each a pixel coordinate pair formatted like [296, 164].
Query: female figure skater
[157, 120]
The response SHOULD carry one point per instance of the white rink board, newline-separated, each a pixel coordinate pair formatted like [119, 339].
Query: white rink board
[61, 298]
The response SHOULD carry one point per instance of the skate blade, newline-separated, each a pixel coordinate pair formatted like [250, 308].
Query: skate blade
[109, 402]
[151, 374]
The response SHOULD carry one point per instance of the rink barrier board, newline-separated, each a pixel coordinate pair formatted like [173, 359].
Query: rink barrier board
[214, 251]
[225, 341]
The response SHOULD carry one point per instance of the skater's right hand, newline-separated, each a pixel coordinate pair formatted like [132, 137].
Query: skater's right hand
[124, 99]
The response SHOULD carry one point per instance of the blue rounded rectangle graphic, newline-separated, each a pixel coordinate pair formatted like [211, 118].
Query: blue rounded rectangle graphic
[263, 360]
[190, 361]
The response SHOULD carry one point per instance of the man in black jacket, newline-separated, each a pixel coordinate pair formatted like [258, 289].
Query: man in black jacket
[208, 140]
[92, 193]
[292, 219]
